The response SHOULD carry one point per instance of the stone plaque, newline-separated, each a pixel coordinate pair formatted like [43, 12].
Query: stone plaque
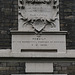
[39, 67]
[39, 42]
[38, 15]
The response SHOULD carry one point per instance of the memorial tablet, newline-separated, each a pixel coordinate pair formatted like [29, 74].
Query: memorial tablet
[38, 15]
[38, 27]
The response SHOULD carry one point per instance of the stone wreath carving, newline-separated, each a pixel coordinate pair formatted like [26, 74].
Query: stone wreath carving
[35, 22]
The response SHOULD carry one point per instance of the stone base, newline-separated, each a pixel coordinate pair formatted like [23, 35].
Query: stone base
[37, 67]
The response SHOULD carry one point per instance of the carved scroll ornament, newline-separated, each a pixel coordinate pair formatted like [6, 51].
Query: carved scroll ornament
[36, 22]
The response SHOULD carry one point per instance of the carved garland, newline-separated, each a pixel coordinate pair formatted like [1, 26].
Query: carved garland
[31, 21]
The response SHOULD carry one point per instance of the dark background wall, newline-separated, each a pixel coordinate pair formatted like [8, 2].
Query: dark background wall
[8, 68]
[8, 21]
[67, 21]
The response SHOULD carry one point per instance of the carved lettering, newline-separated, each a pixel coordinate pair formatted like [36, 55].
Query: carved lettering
[40, 14]
[38, 1]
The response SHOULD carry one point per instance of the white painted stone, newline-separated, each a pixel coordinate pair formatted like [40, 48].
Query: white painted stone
[41, 42]
[41, 11]
[68, 54]
[39, 67]
[9, 53]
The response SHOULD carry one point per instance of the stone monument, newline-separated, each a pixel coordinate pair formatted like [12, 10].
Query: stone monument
[38, 15]
[38, 32]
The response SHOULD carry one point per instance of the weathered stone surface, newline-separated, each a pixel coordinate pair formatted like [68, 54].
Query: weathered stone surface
[9, 18]
[38, 15]
[39, 67]
[42, 42]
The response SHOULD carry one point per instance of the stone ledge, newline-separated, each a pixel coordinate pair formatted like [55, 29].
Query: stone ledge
[8, 53]
[15, 32]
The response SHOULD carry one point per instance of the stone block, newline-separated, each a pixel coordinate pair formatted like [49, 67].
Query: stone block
[48, 41]
[39, 67]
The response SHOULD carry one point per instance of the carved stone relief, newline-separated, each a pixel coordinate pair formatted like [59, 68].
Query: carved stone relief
[38, 14]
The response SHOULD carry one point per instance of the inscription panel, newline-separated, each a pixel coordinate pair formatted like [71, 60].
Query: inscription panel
[38, 11]
[39, 42]
[38, 15]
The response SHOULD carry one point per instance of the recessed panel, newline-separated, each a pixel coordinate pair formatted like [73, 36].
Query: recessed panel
[39, 67]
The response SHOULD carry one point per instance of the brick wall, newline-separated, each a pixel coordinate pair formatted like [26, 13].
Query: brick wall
[67, 21]
[64, 68]
[8, 68]
[8, 20]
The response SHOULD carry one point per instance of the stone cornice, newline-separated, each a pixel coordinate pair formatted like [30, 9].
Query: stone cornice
[15, 32]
